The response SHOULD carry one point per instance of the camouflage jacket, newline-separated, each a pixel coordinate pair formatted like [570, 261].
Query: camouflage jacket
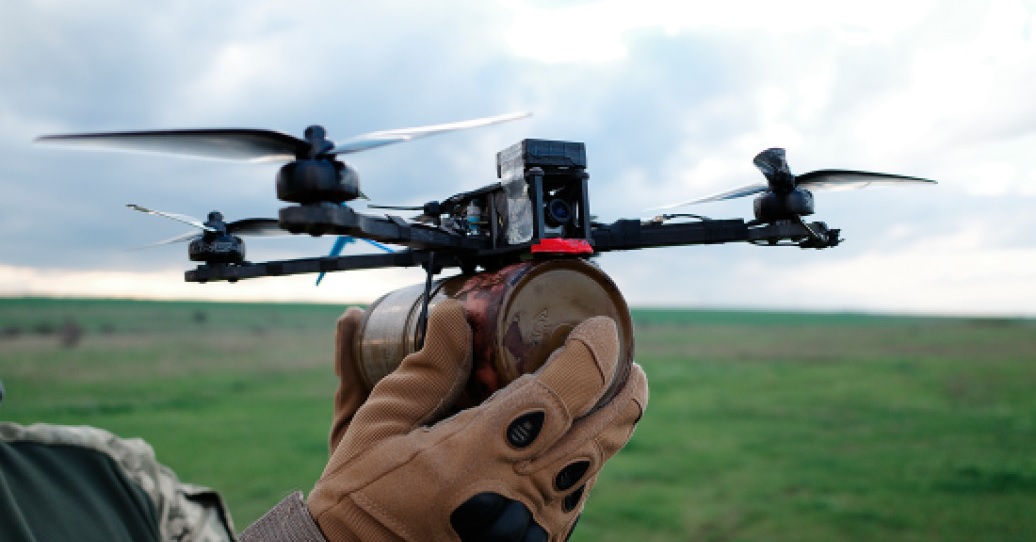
[180, 512]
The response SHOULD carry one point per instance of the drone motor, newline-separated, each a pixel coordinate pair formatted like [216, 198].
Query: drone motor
[317, 176]
[317, 180]
[220, 250]
[772, 206]
[215, 245]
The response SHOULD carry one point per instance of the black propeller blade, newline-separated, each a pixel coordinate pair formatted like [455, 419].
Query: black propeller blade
[373, 140]
[845, 178]
[255, 145]
[774, 166]
[217, 143]
[189, 220]
[252, 227]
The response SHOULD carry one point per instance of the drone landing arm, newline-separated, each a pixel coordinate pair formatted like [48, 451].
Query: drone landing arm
[248, 270]
[634, 234]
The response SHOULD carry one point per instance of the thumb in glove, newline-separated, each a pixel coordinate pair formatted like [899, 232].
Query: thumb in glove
[351, 392]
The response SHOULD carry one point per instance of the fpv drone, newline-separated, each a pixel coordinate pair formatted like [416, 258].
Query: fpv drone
[538, 209]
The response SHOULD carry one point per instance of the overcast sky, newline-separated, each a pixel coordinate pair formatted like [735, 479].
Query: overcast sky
[673, 99]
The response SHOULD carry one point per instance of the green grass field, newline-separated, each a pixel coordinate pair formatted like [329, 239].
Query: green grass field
[762, 426]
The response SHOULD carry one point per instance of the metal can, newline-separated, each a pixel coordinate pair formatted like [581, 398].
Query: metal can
[518, 314]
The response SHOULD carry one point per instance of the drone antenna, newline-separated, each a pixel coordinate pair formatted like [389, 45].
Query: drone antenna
[422, 322]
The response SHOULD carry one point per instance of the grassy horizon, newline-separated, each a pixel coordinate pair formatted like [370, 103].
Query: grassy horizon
[761, 425]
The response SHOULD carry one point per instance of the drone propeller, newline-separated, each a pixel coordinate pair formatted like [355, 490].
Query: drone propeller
[190, 220]
[252, 227]
[844, 178]
[255, 145]
[782, 182]
[374, 140]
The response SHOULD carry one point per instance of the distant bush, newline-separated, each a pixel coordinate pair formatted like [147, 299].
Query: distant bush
[44, 328]
[70, 333]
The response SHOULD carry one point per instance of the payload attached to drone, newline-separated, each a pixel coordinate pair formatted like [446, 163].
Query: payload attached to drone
[499, 236]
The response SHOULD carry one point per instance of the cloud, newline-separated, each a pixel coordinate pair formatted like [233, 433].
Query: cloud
[673, 100]
[360, 287]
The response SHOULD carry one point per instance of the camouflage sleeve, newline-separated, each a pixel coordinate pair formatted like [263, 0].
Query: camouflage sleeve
[289, 521]
[185, 512]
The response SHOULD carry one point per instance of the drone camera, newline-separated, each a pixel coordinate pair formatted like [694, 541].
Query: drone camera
[545, 184]
[558, 213]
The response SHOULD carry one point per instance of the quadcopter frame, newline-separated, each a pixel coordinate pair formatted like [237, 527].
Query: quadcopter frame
[538, 210]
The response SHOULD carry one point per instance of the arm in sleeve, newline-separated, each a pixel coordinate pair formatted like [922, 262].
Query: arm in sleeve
[289, 521]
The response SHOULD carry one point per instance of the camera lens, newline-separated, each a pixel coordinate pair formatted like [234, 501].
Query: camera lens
[558, 212]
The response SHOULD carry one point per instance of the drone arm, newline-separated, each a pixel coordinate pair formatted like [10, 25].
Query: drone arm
[634, 234]
[805, 235]
[247, 270]
[631, 234]
[340, 220]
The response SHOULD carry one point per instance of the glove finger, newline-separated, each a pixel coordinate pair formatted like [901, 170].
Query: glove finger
[630, 404]
[538, 409]
[567, 473]
[352, 392]
[425, 384]
[593, 439]
[580, 372]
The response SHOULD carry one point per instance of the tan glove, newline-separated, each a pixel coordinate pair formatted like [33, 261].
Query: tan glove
[520, 464]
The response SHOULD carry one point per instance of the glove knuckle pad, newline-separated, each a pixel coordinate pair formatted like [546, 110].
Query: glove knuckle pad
[529, 419]
[571, 474]
[525, 428]
[571, 501]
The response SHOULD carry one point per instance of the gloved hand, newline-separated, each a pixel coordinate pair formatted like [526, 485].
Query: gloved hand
[517, 467]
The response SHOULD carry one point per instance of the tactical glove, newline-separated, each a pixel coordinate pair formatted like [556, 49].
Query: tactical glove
[517, 467]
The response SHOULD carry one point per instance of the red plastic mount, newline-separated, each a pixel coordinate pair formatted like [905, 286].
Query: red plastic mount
[562, 246]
